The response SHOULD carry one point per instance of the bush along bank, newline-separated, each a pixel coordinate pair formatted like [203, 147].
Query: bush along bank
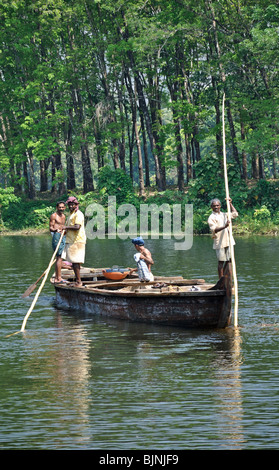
[257, 207]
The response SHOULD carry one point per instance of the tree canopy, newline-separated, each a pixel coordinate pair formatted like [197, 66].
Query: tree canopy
[136, 85]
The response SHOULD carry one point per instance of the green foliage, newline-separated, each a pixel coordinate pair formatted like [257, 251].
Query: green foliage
[265, 193]
[262, 214]
[64, 66]
[208, 182]
[59, 76]
[27, 214]
[256, 221]
[200, 216]
[7, 197]
[253, 217]
[168, 197]
[115, 183]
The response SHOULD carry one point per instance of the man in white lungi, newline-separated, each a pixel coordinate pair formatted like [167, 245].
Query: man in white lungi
[75, 238]
[218, 223]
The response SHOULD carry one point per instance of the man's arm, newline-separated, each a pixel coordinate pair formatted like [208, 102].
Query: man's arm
[213, 226]
[72, 227]
[234, 212]
[52, 223]
[146, 256]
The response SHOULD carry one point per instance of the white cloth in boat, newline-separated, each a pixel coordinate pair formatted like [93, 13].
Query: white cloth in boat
[143, 271]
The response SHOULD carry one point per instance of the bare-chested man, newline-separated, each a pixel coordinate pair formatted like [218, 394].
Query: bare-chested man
[56, 223]
[145, 255]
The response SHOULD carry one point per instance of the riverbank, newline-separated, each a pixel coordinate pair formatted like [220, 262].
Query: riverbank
[257, 205]
[27, 232]
[237, 231]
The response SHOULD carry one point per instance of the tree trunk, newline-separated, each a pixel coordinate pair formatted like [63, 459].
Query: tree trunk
[31, 176]
[274, 168]
[140, 166]
[173, 90]
[149, 128]
[196, 144]
[188, 158]
[145, 150]
[233, 135]
[43, 176]
[71, 180]
[261, 168]
[122, 140]
[244, 174]
[154, 103]
[223, 79]
[88, 184]
[218, 122]
[255, 166]
[133, 101]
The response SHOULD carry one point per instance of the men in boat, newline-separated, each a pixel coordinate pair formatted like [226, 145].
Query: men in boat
[56, 223]
[144, 256]
[75, 238]
[218, 223]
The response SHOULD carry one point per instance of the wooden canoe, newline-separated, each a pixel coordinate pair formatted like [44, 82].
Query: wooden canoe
[172, 301]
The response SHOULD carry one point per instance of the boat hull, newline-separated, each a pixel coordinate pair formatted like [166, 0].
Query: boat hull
[203, 309]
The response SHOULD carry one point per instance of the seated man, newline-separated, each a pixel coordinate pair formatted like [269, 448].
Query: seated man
[143, 259]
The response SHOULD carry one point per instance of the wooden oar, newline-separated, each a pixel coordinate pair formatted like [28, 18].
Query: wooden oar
[33, 286]
[40, 288]
[230, 225]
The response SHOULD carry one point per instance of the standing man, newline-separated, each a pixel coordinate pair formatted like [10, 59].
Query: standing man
[218, 223]
[56, 223]
[75, 238]
[144, 255]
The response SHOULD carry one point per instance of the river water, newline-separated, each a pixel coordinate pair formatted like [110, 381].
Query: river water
[73, 382]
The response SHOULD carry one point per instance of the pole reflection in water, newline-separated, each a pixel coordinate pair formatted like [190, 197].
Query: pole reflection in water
[60, 382]
[72, 376]
[228, 387]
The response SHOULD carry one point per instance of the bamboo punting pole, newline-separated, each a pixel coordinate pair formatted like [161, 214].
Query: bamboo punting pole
[41, 286]
[229, 217]
[34, 285]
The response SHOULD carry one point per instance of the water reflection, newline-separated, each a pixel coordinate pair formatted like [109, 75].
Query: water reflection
[228, 387]
[59, 366]
[78, 382]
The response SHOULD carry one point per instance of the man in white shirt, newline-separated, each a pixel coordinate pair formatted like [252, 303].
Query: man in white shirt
[218, 223]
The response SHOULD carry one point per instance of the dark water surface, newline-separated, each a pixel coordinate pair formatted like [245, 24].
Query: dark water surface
[74, 382]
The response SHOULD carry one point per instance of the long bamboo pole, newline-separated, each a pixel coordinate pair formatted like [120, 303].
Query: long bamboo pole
[34, 285]
[229, 217]
[41, 286]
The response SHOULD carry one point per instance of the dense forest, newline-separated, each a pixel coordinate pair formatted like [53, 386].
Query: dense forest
[136, 86]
